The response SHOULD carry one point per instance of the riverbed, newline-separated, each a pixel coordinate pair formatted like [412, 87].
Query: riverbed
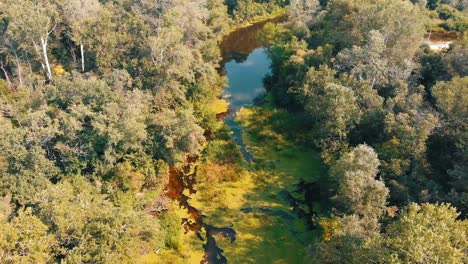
[259, 217]
[263, 207]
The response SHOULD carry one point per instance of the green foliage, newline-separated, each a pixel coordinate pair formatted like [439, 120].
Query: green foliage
[447, 148]
[176, 136]
[25, 238]
[452, 98]
[433, 4]
[301, 8]
[26, 168]
[372, 46]
[373, 63]
[457, 56]
[248, 10]
[427, 233]
[348, 23]
[142, 105]
[84, 156]
[433, 69]
[414, 238]
[91, 229]
[335, 106]
[358, 191]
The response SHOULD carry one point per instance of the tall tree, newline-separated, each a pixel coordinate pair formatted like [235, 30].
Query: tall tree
[32, 21]
[359, 190]
[426, 233]
[77, 13]
[301, 9]
[372, 62]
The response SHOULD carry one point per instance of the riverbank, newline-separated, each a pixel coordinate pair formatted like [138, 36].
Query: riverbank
[280, 12]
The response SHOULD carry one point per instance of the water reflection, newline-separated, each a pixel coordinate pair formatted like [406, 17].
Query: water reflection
[245, 84]
[246, 79]
[240, 43]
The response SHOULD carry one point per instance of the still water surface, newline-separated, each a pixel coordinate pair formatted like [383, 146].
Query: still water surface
[245, 84]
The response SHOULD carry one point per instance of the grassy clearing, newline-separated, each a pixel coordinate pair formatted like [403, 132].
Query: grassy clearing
[267, 230]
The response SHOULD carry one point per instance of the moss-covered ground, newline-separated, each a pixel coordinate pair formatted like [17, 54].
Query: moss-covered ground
[254, 204]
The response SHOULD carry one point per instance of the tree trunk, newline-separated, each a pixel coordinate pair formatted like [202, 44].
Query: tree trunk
[82, 57]
[7, 77]
[18, 70]
[46, 58]
[36, 48]
[429, 35]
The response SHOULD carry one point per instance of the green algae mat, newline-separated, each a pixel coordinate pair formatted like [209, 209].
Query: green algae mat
[267, 229]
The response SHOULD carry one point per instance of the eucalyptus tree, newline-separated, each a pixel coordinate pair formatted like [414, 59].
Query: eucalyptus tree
[303, 9]
[359, 191]
[77, 13]
[428, 233]
[31, 22]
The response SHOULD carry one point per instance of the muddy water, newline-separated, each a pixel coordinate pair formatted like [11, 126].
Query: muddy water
[440, 40]
[240, 43]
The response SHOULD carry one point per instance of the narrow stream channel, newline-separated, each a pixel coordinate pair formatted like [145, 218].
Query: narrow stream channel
[245, 84]
[245, 63]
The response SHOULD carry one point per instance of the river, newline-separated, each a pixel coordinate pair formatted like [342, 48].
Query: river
[245, 63]
[261, 221]
[245, 84]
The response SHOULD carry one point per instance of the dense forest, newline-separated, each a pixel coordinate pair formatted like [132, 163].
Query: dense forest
[113, 147]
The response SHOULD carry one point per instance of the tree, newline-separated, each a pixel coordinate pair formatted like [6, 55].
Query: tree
[176, 136]
[25, 239]
[408, 125]
[372, 63]
[332, 108]
[348, 23]
[433, 69]
[303, 9]
[433, 4]
[90, 228]
[447, 147]
[359, 191]
[32, 21]
[457, 56]
[218, 19]
[24, 145]
[452, 98]
[362, 201]
[77, 13]
[427, 233]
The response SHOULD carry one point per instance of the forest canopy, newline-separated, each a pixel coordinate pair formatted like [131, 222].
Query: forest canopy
[102, 102]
